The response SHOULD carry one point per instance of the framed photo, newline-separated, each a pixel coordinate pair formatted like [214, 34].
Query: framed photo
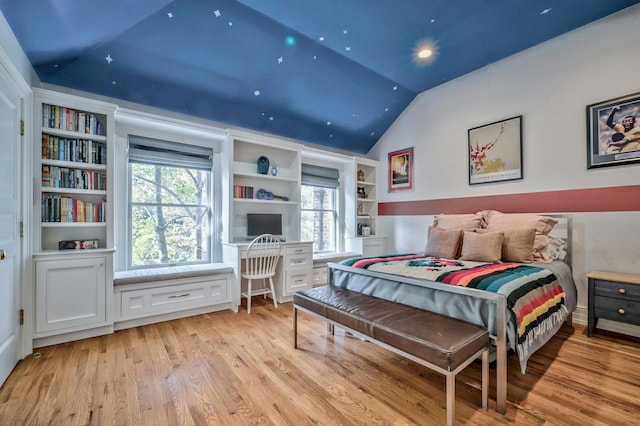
[613, 132]
[495, 151]
[401, 170]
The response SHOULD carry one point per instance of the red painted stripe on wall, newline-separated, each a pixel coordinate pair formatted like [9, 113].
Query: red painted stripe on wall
[612, 199]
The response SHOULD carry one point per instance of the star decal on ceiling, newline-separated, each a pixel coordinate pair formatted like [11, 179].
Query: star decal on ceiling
[544, 12]
[321, 38]
[170, 15]
[348, 48]
[280, 59]
[217, 13]
[328, 123]
[395, 88]
[257, 93]
[108, 58]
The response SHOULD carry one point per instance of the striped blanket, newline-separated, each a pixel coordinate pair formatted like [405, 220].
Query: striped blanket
[534, 296]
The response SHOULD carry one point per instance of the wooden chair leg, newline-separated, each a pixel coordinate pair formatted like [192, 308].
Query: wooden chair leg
[273, 292]
[248, 296]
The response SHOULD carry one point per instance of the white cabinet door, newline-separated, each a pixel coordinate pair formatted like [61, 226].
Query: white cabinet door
[70, 294]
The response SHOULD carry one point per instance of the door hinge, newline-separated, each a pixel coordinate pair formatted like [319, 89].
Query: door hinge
[22, 127]
[21, 316]
[21, 229]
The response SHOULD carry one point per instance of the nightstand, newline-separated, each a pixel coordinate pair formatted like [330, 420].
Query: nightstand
[613, 296]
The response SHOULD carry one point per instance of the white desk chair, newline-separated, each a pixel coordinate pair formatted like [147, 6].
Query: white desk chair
[261, 261]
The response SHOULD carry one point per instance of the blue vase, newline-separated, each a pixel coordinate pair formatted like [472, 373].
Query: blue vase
[263, 165]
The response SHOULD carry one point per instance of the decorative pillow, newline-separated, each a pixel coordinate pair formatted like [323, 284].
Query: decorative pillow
[443, 243]
[466, 222]
[517, 245]
[543, 225]
[485, 247]
[556, 249]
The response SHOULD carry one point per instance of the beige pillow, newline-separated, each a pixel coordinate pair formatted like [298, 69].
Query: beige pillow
[466, 222]
[517, 245]
[479, 247]
[443, 243]
[496, 220]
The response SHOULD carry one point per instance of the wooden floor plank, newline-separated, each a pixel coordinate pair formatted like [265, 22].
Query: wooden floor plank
[228, 368]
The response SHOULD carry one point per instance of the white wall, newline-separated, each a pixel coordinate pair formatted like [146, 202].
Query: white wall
[550, 85]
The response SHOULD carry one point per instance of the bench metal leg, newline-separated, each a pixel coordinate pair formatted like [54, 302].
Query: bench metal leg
[331, 329]
[485, 379]
[451, 399]
[295, 328]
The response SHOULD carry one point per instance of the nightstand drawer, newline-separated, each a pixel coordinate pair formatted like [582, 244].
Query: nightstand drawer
[617, 290]
[627, 311]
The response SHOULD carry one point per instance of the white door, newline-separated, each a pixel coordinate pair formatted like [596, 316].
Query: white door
[10, 115]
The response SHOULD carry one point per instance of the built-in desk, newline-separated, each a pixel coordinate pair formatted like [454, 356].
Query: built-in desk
[294, 271]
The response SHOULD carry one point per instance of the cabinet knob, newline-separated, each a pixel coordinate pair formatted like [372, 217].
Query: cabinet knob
[3, 254]
[622, 291]
[621, 311]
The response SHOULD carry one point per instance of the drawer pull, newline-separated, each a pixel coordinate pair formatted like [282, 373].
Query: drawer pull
[622, 291]
[621, 311]
[177, 296]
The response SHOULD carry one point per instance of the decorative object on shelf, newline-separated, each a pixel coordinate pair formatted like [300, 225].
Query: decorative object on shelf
[613, 132]
[263, 194]
[77, 244]
[360, 208]
[495, 151]
[263, 165]
[361, 192]
[360, 175]
[364, 229]
[274, 170]
[401, 169]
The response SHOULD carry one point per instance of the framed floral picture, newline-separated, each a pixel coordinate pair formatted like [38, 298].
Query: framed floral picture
[613, 132]
[495, 151]
[401, 169]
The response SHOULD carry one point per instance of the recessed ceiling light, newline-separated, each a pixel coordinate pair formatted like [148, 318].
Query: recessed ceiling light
[424, 53]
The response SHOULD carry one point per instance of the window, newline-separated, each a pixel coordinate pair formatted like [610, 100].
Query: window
[319, 207]
[169, 203]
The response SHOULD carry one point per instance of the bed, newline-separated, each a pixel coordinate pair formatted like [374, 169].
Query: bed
[523, 304]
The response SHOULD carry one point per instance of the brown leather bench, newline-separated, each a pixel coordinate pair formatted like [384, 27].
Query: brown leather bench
[442, 343]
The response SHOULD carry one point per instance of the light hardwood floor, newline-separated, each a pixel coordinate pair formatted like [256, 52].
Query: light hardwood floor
[235, 369]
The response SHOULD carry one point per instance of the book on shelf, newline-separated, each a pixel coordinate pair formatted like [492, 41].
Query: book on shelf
[62, 118]
[74, 150]
[68, 178]
[59, 208]
[241, 191]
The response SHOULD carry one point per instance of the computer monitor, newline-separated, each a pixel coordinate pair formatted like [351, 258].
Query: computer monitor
[264, 223]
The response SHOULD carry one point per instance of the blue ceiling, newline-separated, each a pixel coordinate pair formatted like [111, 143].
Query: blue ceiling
[333, 72]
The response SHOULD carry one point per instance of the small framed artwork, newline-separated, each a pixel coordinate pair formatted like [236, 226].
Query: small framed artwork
[495, 151]
[613, 132]
[401, 170]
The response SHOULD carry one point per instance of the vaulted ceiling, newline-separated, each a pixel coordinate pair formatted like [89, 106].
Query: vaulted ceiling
[331, 72]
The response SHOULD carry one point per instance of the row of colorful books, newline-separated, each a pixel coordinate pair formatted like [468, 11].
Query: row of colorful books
[64, 177]
[78, 150]
[241, 191]
[57, 117]
[58, 208]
